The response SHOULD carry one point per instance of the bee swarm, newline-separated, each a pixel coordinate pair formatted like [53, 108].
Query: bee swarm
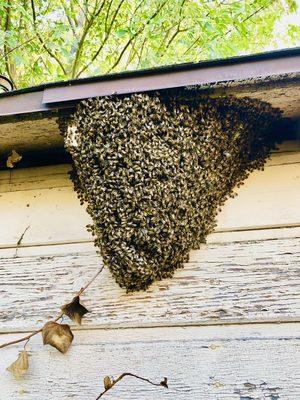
[154, 170]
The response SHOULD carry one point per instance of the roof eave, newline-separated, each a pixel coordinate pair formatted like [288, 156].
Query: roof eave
[52, 97]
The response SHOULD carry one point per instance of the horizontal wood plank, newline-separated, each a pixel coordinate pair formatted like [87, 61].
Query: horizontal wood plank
[230, 362]
[238, 282]
[43, 200]
[27, 135]
[57, 175]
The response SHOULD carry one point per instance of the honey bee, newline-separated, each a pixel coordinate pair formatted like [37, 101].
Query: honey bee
[154, 170]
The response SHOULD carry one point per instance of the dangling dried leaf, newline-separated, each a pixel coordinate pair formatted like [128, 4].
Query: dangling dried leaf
[164, 383]
[108, 382]
[74, 310]
[57, 335]
[19, 367]
[13, 159]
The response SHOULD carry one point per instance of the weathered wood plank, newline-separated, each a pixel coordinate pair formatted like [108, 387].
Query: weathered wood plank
[56, 175]
[253, 234]
[53, 176]
[229, 362]
[30, 135]
[268, 198]
[239, 282]
[43, 199]
[52, 215]
[216, 237]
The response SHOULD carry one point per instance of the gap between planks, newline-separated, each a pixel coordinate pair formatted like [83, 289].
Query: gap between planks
[289, 329]
[57, 175]
[222, 284]
[272, 196]
[201, 363]
[217, 237]
[204, 324]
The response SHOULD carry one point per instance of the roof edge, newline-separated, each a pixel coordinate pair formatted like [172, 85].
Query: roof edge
[275, 54]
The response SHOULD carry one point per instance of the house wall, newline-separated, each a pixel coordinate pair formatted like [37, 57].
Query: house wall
[225, 327]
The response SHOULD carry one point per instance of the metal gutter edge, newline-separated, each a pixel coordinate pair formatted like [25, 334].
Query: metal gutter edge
[269, 55]
[200, 76]
[66, 94]
[22, 104]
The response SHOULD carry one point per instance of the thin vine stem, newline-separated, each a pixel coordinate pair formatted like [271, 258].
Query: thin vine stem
[30, 335]
[26, 337]
[114, 382]
[90, 281]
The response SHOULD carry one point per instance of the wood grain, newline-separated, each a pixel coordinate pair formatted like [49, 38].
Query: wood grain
[28, 135]
[231, 362]
[255, 281]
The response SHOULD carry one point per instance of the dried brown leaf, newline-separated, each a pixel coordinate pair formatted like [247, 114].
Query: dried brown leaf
[108, 382]
[13, 159]
[19, 367]
[57, 335]
[74, 310]
[164, 383]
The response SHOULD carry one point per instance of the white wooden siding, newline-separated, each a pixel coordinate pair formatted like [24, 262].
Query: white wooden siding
[44, 200]
[204, 329]
[223, 283]
[256, 362]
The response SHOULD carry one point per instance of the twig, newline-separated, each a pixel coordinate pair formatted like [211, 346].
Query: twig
[104, 41]
[57, 318]
[40, 38]
[26, 337]
[20, 241]
[22, 236]
[135, 35]
[71, 23]
[10, 67]
[220, 36]
[114, 382]
[87, 25]
[90, 282]
[18, 46]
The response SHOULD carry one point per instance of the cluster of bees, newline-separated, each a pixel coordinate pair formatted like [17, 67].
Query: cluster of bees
[154, 170]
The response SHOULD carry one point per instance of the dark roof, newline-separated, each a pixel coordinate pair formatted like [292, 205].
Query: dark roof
[273, 77]
[207, 73]
[270, 55]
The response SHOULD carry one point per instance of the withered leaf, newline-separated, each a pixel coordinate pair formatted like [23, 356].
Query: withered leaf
[108, 382]
[164, 383]
[57, 335]
[74, 310]
[19, 367]
[13, 159]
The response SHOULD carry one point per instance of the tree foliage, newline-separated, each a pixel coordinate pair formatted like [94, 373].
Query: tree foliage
[49, 40]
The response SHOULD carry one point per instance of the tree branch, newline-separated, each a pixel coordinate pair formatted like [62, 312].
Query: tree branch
[178, 29]
[134, 36]
[114, 382]
[71, 23]
[10, 68]
[107, 15]
[18, 46]
[141, 53]
[174, 36]
[51, 54]
[104, 41]
[88, 23]
[229, 30]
